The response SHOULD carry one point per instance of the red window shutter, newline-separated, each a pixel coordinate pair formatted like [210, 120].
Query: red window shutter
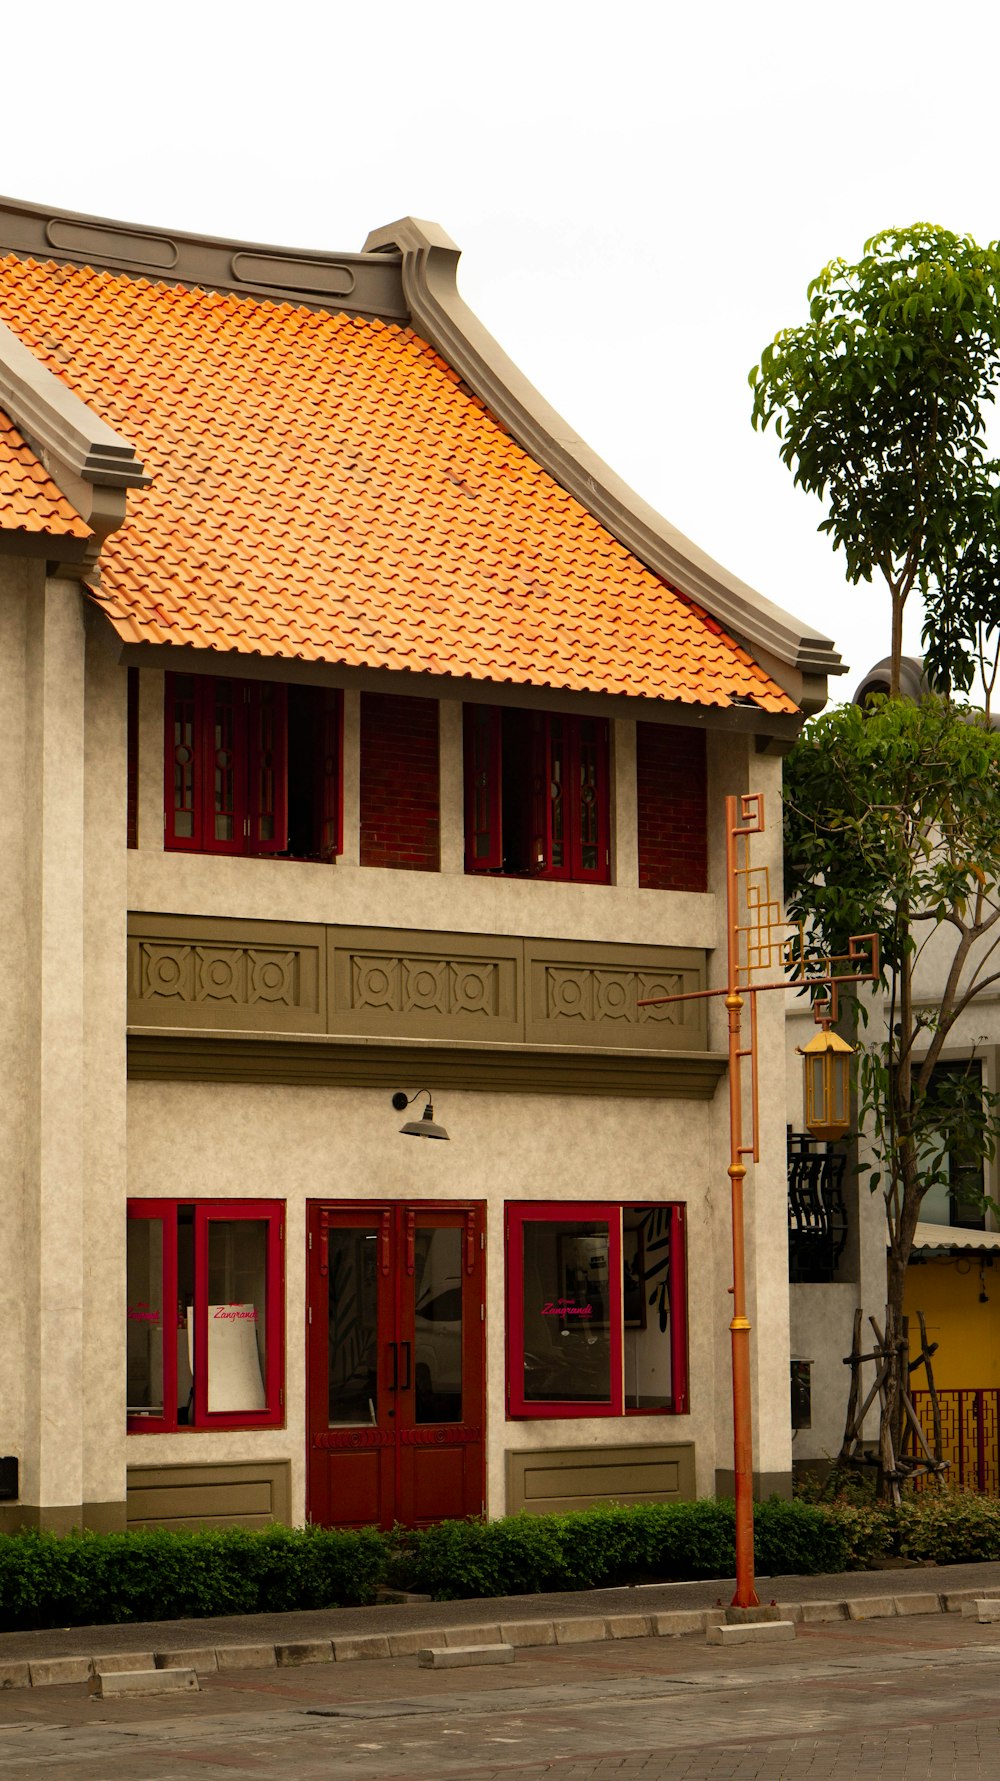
[224, 822]
[483, 789]
[542, 802]
[267, 767]
[132, 757]
[590, 829]
[183, 762]
[331, 822]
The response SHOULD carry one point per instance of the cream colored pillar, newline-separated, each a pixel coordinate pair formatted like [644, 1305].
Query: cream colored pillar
[54, 1236]
[105, 903]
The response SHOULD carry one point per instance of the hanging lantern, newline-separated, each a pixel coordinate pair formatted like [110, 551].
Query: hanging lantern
[827, 1085]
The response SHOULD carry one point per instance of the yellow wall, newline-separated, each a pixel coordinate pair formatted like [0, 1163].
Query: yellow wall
[946, 1289]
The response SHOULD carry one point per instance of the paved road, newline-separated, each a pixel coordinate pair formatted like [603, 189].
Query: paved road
[894, 1699]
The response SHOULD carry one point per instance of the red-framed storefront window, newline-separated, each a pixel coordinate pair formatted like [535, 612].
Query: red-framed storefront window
[205, 1314]
[252, 767]
[596, 1309]
[537, 794]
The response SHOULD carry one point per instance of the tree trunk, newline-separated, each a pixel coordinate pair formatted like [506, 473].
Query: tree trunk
[896, 651]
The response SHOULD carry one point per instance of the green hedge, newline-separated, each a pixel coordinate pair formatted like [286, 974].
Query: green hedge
[155, 1575]
[603, 1547]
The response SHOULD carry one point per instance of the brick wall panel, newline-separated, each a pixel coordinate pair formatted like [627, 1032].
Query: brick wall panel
[672, 787]
[400, 780]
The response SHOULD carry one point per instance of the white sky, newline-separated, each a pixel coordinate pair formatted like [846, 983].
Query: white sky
[641, 193]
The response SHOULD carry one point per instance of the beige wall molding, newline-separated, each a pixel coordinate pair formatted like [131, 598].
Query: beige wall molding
[208, 1057]
[62, 1518]
[188, 973]
[555, 1480]
[249, 1494]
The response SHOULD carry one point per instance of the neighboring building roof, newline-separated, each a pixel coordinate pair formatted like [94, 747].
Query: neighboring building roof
[30, 502]
[945, 1237]
[326, 486]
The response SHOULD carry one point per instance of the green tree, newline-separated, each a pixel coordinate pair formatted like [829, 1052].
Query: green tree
[878, 402]
[891, 827]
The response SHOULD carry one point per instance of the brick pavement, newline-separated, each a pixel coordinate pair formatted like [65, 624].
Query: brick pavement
[898, 1700]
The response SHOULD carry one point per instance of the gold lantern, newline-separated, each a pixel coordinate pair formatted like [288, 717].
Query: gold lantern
[827, 1084]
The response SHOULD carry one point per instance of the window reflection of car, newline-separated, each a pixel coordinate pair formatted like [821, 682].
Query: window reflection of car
[437, 1329]
[576, 1369]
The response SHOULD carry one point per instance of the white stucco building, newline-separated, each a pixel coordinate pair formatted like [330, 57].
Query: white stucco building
[365, 734]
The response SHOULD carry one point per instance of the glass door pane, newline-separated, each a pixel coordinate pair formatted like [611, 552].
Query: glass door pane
[437, 1325]
[145, 1317]
[352, 1288]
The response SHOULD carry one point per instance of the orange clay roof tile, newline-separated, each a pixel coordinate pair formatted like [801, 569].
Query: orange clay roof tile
[325, 487]
[29, 499]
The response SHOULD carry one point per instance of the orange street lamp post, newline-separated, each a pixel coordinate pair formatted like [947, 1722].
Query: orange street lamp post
[754, 923]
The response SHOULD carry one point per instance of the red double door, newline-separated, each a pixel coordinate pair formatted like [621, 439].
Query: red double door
[396, 1389]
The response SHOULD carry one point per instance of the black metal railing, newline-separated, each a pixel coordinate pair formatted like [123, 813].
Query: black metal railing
[817, 1212]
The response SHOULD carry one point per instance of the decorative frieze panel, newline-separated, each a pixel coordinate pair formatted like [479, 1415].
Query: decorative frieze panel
[368, 983]
[260, 976]
[234, 974]
[432, 986]
[590, 995]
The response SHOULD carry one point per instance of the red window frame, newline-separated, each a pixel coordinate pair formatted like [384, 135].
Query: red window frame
[209, 716]
[565, 805]
[269, 1212]
[523, 1212]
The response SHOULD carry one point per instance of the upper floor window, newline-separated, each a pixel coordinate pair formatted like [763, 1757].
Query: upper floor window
[537, 794]
[252, 767]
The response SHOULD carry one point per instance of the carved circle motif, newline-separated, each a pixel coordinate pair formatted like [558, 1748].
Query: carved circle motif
[474, 988]
[376, 983]
[165, 971]
[613, 995]
[670, 1014]
[220, 977]
[272, 977]
[569, 994]
[424, 985]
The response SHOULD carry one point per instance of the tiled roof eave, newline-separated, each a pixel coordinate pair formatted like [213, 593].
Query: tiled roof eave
[145, 650]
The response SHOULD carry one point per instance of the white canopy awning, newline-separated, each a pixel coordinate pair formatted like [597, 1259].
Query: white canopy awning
[951, 1236]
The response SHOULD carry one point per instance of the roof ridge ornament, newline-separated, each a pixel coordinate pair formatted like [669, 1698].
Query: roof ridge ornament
[439, 314]
[89, 462]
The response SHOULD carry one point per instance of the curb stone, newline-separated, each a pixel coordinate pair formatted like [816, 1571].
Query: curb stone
[568, 1630]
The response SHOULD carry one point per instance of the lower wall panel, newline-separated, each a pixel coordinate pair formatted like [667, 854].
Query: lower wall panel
[182, 1496]
[553, 1480]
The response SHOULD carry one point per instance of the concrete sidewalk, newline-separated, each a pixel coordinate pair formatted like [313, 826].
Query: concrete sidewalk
[906, 1698]
[68, 1655]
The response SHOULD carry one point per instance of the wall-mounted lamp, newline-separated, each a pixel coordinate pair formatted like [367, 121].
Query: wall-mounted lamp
[424, 1127]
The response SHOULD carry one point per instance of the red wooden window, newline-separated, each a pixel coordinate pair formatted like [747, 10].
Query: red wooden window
[537, 795]
[596, 1309]
[132, 758]
[205, 1314]
[252, 767]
